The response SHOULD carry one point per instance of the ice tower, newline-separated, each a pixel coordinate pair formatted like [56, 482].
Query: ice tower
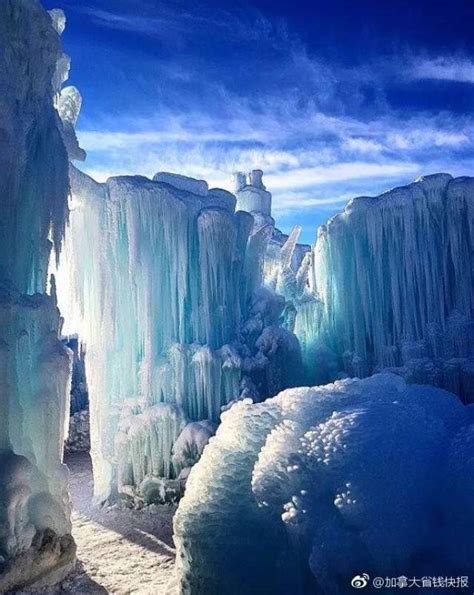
[252, 196]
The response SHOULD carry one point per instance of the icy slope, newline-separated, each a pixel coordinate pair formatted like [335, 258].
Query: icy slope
[396, 280]
[303, 492]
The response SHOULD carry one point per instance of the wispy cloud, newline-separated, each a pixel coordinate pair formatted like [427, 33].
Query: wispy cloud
[286, 203]
[179, 23]
[363, 145]
[339, 172]
[322, 131]
[444, 68]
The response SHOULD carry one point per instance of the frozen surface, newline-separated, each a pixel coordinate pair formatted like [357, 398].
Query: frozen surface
[33, 163]
[68, 104]
[288, 270]
[35, 541]
[190, 444]
[183, 183]
[351, 477]
[395, 277]
[160, 279]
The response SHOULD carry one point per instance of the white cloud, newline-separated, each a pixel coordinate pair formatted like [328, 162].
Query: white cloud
[444, 68]
[418, 139]
[339, 172]
[363, 145]
[287, 202]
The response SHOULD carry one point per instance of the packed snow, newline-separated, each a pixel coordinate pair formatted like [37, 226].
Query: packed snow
[306, 490]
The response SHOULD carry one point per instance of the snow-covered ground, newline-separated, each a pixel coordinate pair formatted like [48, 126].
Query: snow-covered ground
[118, 551]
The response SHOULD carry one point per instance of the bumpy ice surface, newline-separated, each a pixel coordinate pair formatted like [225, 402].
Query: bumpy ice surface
[308, 489]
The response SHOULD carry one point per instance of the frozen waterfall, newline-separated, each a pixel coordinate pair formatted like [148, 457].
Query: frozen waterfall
[159, 279]
[394, 275]
[35, 540]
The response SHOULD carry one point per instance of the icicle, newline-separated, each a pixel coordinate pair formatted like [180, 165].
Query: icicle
[394, 273]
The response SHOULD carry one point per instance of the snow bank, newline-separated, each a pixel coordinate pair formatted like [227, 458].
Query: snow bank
[306, 490]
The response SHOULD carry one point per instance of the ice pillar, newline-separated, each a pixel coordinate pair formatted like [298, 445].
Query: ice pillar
[35, 540]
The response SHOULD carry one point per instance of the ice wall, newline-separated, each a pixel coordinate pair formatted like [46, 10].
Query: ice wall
[307, 490]
[158, 278]
[33, 163]
[394, 275]
[35, 541]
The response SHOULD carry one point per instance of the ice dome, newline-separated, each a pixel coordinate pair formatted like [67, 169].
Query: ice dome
[306, 490]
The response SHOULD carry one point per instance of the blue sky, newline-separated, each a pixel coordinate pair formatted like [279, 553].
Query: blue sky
[331, 99]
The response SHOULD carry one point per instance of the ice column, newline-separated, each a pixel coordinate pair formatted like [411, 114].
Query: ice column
[35, 540]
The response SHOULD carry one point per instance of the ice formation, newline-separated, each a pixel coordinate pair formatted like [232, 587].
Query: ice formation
[35, 541]
[160, 280]
[304, 491]
[388, 284]
[69, 102]
[33, 164]
[252, 196]
[287, 267]
[395, 279]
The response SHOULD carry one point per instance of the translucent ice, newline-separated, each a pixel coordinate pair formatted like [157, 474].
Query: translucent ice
[35, 528]
[157, 279]
[33, 163]
[395, 279]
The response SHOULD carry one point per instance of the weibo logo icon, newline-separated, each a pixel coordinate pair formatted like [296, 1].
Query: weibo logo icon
[360, 581]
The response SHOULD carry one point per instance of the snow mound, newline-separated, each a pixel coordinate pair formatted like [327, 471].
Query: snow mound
[306, 490]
